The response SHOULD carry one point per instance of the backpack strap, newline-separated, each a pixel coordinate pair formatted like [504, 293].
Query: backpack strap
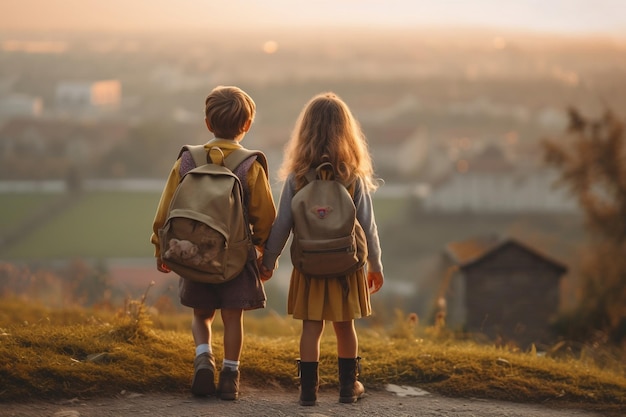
[239, 162]
[236, 157]
[232, 161]
[198, 153]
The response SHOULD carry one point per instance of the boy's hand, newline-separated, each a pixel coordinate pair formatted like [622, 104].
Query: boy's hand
[375, 281]
[161, 266]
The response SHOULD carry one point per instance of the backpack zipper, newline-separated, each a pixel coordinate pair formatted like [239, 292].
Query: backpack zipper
[338, 250]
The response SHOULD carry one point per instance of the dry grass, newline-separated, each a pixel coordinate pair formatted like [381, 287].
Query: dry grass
[61, 354]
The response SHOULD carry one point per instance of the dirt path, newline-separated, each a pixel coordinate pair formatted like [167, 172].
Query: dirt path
[279, 403]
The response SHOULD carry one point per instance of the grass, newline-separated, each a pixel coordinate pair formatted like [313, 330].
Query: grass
[59, 354]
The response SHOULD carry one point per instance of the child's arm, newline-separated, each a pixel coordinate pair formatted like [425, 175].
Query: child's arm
[161, 213]
[261, 208]
[281, 228]
[365, 216]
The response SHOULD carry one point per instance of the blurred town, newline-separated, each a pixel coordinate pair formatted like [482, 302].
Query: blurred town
[454, 121]
[435, 107]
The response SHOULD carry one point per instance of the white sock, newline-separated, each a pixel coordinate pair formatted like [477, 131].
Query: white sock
[231, 365]
[203, 348]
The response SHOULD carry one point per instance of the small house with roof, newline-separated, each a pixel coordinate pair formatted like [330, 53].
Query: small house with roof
[502, 288]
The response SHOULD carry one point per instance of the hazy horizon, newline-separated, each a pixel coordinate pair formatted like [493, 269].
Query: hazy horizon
[568, 17]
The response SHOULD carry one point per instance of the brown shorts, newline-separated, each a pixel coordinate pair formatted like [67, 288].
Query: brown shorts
[243, 292]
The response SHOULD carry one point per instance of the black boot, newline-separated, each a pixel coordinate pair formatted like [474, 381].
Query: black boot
[309, 382]
[350, 389]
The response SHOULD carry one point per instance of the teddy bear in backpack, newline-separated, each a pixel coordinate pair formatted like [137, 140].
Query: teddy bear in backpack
[189, 253]
[183, 250]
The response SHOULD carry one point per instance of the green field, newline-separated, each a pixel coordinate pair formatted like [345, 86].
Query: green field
[99, 225]
[14, 208]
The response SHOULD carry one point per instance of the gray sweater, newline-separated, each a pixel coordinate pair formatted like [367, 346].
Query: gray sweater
[281, 229]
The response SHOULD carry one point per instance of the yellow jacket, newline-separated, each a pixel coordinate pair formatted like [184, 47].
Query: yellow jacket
[261, 208]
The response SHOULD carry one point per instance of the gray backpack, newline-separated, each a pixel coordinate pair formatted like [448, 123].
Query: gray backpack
[328, 240]
[206, 236]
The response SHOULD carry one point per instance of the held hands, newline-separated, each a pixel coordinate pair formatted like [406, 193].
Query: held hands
[375, 281]
[161, 266]
[266, 273]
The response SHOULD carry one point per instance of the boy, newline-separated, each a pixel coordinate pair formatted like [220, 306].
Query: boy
[229, 113]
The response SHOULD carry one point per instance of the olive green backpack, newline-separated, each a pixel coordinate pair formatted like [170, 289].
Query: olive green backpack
[206, 236]
[328, 240]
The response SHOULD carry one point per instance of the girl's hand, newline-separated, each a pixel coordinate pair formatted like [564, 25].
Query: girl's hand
[161, 266]
[266, 273]
[375, 281]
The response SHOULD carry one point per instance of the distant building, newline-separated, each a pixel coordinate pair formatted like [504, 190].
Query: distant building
[501, 288]
[47, 149]
[173, 79]
[484, 106]
[392, 149]
[13, 105]
[89, 96]
[489, 182]
[552, 119]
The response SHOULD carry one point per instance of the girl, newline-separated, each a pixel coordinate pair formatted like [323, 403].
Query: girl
[327, 131]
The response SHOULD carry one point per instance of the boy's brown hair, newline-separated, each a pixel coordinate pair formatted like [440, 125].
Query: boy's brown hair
[227, 109]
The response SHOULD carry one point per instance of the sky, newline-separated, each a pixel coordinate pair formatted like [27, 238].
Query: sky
[556, 16]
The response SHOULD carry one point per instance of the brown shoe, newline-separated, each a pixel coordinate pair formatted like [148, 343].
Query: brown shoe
[228, 385]
[350, 388]
[203, 382]
[309, 382]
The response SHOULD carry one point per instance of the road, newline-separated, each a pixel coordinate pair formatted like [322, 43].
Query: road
[274, 402]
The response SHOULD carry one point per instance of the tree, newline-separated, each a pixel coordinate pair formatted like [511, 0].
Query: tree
[591, 158]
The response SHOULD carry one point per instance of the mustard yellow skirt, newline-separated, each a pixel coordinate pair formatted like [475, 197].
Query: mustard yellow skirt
[333, 299]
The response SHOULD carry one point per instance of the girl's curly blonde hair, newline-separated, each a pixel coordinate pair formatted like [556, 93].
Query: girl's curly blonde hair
[326, 130]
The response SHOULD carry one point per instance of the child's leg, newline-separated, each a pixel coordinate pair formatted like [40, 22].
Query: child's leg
[201, 326]
[350, 389]
[308, 365]
[347, 340]
[203, 382]
[233, 333]
[310, 340]
[228, 385]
